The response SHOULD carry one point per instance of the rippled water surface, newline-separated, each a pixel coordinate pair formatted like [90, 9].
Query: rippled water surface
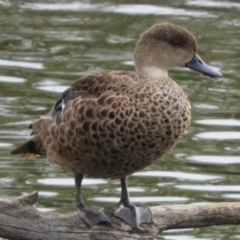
[46, 45]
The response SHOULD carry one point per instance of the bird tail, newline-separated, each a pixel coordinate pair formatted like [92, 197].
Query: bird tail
[30, 147]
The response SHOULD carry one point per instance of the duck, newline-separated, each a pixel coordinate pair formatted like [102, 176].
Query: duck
[111, 125]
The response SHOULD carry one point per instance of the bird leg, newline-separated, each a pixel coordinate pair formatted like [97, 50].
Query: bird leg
[89, 216]
[132, 214]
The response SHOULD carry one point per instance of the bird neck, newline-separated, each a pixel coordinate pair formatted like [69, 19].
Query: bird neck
[152, 72]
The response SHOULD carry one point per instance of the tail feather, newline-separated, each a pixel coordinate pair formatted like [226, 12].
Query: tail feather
[29, 147]
[34, 146]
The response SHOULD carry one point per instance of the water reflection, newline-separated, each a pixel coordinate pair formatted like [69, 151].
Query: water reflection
[11, 79]
[5, 145]
[148, 199]
[219, 122]
[51, 87]
[211, 3]
[26, 65]
[186, 237]
[210, 188]
[232, 196]
[136, 9]
[59, 182]
[177, 175]
[42, 209]
[215, 160]
[218, 135]
[47, 194]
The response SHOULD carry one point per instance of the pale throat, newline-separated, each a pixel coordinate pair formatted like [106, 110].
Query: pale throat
[152, 72]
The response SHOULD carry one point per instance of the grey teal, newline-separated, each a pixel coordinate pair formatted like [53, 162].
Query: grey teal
[110, 125]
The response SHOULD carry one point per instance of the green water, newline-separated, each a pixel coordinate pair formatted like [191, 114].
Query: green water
[46, 45]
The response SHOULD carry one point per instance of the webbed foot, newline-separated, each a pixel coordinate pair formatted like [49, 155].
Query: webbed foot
[134, 215]
[91, 217]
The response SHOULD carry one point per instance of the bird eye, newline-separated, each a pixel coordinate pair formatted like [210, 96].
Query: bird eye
[175, 43]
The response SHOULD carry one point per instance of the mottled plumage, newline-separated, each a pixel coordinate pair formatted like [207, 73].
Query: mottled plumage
[114, 124]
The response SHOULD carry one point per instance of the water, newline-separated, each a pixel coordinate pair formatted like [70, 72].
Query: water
[46, 45]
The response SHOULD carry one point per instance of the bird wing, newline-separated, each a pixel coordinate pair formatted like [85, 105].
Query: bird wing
[87, 88]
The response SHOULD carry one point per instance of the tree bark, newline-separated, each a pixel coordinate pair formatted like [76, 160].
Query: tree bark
[20, 220]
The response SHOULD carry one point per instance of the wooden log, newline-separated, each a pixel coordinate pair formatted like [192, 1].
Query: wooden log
[20, 220]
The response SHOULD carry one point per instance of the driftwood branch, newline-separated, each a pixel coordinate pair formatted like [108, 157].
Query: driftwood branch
[20, 220]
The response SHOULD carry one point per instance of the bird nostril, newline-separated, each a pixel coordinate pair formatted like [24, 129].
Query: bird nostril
[199, 61]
